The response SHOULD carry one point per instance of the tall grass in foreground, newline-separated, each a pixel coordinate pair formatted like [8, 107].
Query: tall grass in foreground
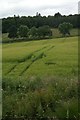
[38, 98]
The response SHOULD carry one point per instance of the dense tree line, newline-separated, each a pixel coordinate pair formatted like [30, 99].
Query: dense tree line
[24, 32]
[38, 21]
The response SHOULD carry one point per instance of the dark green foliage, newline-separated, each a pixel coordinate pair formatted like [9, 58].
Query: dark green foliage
[32, 32]
[44, 32]
[12, 32]
[23, 31]
[38, 21]
[65, 28]
[41, 32]
[57, 15]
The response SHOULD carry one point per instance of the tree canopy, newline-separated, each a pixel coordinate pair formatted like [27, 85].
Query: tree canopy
[33, 32]
[38, 21]
[12, 32]
[44, 31]
[65, 28]
[23, 31]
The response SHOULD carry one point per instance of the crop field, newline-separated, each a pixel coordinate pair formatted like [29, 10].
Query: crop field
[40, 79]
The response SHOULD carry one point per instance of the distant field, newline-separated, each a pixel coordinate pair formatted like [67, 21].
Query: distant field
[40, 79]
[73, 32]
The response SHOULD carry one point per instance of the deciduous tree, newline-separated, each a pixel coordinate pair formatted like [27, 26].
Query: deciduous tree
[65, 28]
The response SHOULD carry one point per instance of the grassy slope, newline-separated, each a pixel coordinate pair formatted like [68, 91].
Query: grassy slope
[42, 77]
[59, 57]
